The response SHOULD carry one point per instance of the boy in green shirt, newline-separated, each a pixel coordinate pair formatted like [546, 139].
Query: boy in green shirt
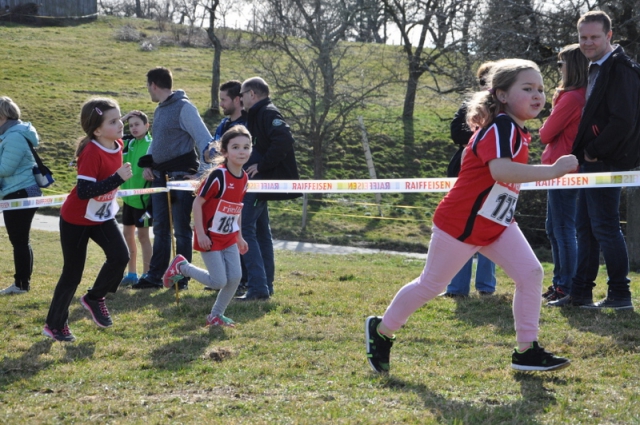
[136, 212]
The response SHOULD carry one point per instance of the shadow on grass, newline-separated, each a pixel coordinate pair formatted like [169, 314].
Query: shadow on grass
[494, 310]
[535, 399]
[30, 362]
[620, 326]
[185, 320]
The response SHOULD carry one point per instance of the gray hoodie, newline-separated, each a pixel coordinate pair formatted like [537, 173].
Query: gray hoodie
[177, 129]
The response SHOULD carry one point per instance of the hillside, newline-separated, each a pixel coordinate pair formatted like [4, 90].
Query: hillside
[51, 71]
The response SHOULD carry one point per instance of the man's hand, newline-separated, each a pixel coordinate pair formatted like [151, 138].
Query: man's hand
[147, 173]
[588, 158]
[210, 152]
[252, 170]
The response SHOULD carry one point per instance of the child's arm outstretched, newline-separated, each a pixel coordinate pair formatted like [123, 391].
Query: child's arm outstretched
[203, 239]
[506, 171]
[88, 189]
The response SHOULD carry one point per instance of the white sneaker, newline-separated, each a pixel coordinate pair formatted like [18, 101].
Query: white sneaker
[13, 289]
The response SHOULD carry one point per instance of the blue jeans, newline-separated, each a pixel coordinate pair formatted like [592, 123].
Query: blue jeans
[181, 205]
[561, 231]
[259, 260]
[485, 277]
[598, 228]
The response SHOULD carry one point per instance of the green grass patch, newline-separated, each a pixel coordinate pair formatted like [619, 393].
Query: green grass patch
[299, 358]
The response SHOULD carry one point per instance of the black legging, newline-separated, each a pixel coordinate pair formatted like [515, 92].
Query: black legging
[18, 224]
[74, 240]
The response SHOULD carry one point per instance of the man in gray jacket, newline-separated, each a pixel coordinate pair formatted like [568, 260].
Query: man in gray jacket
[179, 139]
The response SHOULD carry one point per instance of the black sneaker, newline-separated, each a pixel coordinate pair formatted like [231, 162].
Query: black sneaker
[536, 358]
[98, 310]
[452, 295]
[611, 303]
[558, 294]
[62, 335]
[145, 283]
[378, 346]
[570, 301]
[549, 292]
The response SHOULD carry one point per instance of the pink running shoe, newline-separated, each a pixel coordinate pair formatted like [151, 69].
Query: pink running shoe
[62, 335]
[220, 320]
[173, 275]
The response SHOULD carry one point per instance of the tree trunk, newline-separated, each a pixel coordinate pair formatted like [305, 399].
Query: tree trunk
[213, 113]
[139, 13]
[410, 95]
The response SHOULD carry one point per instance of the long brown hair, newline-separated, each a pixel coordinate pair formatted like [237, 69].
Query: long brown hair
[92, 117]
[576, 73]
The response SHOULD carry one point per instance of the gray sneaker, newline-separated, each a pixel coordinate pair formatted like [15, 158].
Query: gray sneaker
[13, 289]
[612, 303]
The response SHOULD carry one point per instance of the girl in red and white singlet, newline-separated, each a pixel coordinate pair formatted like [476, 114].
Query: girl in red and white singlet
[216, 215]
[88, 213]
[477, 215]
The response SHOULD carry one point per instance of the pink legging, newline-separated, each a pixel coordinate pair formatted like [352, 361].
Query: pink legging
[446, 257]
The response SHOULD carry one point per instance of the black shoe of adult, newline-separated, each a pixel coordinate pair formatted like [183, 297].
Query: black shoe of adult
[248, 297]
[611, 303]
[570, 301]
[145, 284]
[452, 295]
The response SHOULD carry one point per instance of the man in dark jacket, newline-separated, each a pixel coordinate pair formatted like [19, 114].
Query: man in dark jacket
[608, 140]
[272, 158]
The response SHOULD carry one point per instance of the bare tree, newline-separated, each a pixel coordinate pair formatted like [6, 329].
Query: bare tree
[320, 80]
[371, 22]
[212, 6]
[440, 26]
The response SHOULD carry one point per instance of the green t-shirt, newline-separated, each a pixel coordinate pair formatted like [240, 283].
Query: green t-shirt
[133, 150]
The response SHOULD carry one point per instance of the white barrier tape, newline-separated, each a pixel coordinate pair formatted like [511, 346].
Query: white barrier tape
[55, 200]
[22, 203]
[570, 181]
[590, 180]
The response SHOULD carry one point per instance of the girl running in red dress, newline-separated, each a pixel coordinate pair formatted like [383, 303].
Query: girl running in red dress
[89, 213]
[218, 237]
[477, 215]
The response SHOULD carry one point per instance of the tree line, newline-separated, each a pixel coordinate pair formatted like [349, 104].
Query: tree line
[302, 47]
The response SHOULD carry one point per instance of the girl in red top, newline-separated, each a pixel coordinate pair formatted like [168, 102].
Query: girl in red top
[558, 133]
[477, 216]
[216, 215]
[88, 213]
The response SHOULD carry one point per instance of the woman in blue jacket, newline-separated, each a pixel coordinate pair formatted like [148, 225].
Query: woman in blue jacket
[16, 182]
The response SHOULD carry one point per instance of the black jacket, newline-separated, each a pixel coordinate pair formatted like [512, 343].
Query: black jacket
[610, 126]
[460, 134]
[272, 147]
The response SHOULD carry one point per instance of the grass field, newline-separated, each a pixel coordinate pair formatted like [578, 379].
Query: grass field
[299, 358]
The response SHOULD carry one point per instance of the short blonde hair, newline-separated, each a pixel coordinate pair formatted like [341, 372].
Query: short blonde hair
[9, 109]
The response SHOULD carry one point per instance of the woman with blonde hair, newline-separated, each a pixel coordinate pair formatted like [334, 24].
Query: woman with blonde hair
[17, 182]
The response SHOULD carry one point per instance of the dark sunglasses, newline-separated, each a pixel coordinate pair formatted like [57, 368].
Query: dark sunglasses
[560, 63]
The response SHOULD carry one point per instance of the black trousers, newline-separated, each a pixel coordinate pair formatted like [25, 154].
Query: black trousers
[18, 224]
[74, 240]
